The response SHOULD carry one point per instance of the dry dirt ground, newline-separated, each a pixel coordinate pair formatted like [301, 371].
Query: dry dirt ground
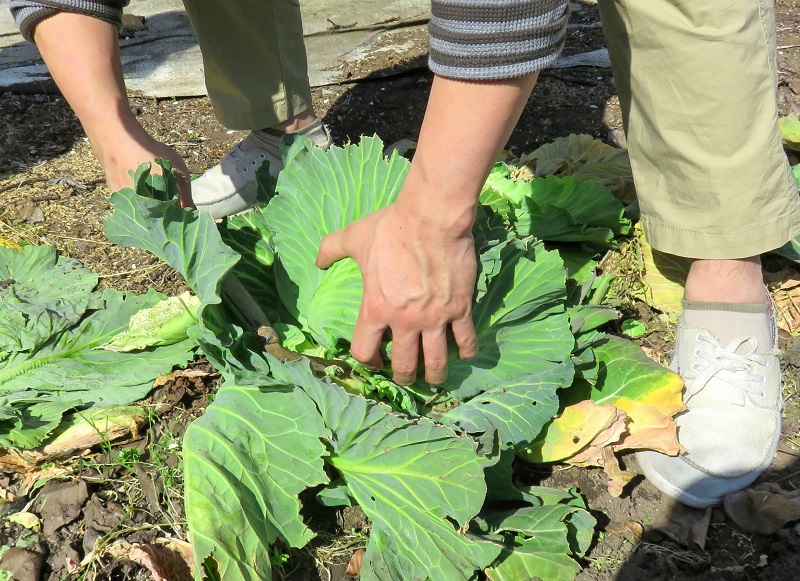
[52, 191]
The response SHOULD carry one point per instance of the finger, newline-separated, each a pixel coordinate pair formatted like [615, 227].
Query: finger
[434, 347]
[405, 353]
[367, 341]
[185, 191]
[466, 338]
[331, 249]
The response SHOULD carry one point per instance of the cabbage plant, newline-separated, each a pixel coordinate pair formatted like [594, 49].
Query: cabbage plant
[430, 466]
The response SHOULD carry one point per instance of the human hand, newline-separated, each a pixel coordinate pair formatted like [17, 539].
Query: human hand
[418, 279]
[130, 150]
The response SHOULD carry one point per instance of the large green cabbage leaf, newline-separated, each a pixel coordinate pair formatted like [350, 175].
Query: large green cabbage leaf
[521, 322]
[422, 480]
[319, 193]
[246, 460]
[410, 477]
[53, 329]
[556, 209]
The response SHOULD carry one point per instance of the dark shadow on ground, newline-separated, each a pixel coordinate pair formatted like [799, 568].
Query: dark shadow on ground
[37, 122]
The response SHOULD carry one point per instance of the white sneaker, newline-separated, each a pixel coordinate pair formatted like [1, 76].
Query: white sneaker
[230, 186]
[733, 420]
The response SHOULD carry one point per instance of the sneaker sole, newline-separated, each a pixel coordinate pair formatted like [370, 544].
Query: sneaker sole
[658, 480]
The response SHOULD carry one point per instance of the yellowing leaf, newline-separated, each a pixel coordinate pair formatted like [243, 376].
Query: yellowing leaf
[664, 276]
[631, 407]
[97, 426]
[578, 427]
[26, 519]
[6, 243]
[650, 394]
[790, 131]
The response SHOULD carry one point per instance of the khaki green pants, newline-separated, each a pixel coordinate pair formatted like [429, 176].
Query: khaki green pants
[254, 59]
[697, 81]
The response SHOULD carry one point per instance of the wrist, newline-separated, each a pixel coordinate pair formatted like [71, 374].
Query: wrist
[111, 134]
[439, 204]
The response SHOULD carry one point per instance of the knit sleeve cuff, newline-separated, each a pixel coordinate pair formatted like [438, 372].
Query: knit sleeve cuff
[495, 39]
[28, 14]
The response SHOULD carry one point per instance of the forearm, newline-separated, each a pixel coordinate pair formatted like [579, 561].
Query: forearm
[466, 126]
[82, 55]
[486, 55]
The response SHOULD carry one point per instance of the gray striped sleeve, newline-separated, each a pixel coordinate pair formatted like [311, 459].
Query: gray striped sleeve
[29, 13]
[495, 39]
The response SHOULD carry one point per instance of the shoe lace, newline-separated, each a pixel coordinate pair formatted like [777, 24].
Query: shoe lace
[244, 161]
[734, 367]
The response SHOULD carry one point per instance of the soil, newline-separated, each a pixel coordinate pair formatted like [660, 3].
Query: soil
[52, 191]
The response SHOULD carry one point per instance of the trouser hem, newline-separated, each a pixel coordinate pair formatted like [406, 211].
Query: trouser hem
[721, 246]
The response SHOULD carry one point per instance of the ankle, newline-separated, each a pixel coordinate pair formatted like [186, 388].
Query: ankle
[727, 281]
[297, 122]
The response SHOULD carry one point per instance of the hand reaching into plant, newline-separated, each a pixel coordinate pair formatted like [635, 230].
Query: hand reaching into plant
[417, 256]
[418, 279]
[82, 54]
[121, 153]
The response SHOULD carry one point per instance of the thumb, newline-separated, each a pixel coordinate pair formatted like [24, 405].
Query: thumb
[331, 249]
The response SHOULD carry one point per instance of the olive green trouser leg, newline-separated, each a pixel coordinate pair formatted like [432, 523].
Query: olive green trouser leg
[697, 81]
[254, 58]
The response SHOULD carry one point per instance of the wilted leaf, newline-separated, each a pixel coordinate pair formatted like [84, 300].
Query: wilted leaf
[648, 393]
[786, 298]
[166, 559]
[356, 561]
[587, 159]
[37, 478]
[94, 427]
[581, 426]
[162, 562]
[764, 509]
[6, 243]
[26, 519]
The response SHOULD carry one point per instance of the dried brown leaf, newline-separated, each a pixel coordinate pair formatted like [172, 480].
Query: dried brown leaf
[354, 566]
[763, 509]
[162, 380]
[166, 559]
